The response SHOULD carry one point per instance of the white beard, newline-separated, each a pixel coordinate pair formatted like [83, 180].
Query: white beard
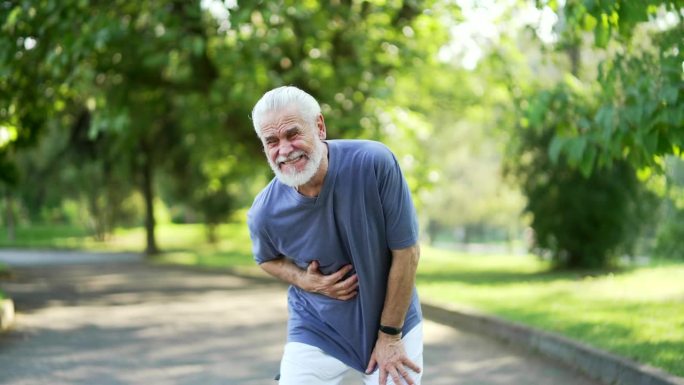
[299, 178]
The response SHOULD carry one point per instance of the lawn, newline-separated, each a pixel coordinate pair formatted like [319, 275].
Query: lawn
[182, 244]
[47, 236]
[634, 312]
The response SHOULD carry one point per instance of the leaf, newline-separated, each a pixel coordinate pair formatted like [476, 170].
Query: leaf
[670, 93]
[604, 118]
[198, 46]
[587, 164]
[575, 149]
[556, 146]
[602, 35]
[650, 142]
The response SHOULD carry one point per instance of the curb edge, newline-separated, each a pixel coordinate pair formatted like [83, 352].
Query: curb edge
[597, 364]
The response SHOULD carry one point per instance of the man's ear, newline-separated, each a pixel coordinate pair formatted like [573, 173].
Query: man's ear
[320, 126]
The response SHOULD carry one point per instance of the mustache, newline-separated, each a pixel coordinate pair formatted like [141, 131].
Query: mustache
[292, 156]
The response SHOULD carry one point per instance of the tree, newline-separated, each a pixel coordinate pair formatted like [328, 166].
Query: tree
[575, 145]
[640, 114]
[347, 54]
[127, 88]
[579, 221]
[158, 79]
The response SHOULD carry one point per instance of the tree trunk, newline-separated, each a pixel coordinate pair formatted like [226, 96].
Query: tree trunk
[574, 56]
[467, 234]
[212, 236]
[96, 216]
[10, 217]
[573, 49]
[148, 194]
[110, 204]
[432, 230]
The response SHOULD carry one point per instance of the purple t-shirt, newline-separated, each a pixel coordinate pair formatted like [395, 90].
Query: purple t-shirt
[364, 210]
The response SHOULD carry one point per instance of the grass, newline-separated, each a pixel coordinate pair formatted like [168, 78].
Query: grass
[636, 313]
[183, 244]
[46, 236]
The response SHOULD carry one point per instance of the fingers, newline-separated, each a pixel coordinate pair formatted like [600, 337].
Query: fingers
[347, 284]
[346, 289]
[371, 364]
[397, 378]
[411, 365]
[347, 297]
[332, 285]
[399, 375]
[393, 365]
[383, 377]
[346, 293]
[313, 267]
[402, 373]
[332, 278]
[339, 274]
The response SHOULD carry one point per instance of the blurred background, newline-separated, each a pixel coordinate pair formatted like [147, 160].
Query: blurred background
[551, 125]
[542, 140]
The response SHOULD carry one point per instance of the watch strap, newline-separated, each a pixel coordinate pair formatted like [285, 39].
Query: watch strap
[390, 330]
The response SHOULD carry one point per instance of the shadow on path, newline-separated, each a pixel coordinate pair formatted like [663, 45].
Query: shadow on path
[133, 323]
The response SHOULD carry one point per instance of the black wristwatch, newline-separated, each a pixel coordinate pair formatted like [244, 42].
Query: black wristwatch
[390, 330]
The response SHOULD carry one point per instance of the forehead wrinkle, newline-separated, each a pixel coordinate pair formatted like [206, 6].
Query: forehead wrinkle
[282, 122]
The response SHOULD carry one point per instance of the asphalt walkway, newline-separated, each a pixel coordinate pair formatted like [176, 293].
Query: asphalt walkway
[113, 319]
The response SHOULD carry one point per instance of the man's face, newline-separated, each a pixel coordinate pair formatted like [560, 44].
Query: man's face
[293, 146]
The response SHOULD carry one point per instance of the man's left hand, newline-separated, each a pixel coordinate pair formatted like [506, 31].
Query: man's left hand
[390, 357]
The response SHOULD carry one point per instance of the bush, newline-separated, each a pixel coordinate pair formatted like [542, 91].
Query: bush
[584, 222]
[669, 242]
[580, 221]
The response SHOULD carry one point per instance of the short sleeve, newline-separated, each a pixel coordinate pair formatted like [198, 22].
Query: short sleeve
[262, 247]
[401, 224]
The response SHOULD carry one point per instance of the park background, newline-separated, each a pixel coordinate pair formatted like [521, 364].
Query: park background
[542, 141]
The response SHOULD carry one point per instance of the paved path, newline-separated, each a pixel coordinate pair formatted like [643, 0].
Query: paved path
[112, 319]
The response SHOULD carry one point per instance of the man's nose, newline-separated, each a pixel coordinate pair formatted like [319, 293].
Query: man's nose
[285, 147]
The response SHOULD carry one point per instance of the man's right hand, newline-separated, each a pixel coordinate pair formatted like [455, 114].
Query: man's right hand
[333, 285]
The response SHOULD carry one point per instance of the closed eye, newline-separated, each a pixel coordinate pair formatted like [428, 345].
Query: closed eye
[271, 141]
[292, 133]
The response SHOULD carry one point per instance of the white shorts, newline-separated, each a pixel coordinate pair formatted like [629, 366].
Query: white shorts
[304, 364]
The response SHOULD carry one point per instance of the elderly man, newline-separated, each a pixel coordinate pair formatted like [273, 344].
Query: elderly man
[338, 224]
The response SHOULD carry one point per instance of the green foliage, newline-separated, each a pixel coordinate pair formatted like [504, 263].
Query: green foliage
[580, 221]
[640, 114]
[156, 95]
[112, 98]
[670, 235]
[670, 232]
[343, 53]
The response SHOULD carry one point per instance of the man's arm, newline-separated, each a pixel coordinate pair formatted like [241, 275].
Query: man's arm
[389, 353]
[312, 280]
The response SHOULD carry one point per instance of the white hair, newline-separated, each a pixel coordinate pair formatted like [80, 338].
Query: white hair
[282, 97]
